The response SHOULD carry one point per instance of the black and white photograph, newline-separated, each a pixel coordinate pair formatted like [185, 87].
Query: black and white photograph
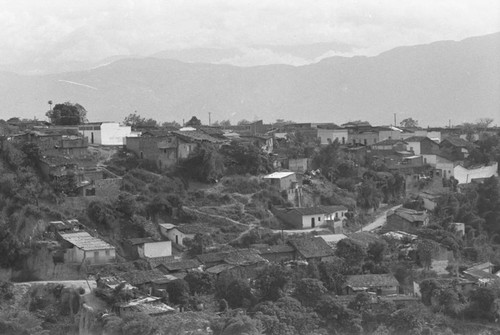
[237, 167]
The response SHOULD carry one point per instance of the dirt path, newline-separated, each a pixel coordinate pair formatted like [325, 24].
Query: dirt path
[379, 221]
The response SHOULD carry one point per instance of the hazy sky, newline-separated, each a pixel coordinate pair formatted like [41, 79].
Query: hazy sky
[94, 29]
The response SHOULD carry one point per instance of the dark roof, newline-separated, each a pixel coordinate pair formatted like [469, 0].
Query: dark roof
[410, 214]
[181, 265]
[275, 249]
[370, 280]
[417, 139]
[364, 238]
[196, 136]
[233, 257]
[141, 277]
[480, 274]
[312, 247]
[457, 142]
[244, 257]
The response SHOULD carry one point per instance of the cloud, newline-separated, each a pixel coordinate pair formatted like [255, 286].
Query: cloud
[31, 27]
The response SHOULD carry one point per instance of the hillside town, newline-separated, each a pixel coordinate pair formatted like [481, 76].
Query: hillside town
[137, 227]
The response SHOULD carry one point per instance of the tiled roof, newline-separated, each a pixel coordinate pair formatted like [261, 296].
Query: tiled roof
[181, 265]
[371, 280]
[85, 241]
[275, 249]
[234, 257]
[244, 257]
[411, 215]
[333, 238]
[457, 142]
[219, 268]
[197, 136]
[141, 277]
[312, 247]
[364, 238]
[155, 261]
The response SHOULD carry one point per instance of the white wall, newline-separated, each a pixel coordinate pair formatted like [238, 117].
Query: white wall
[465, 176]
[113, 133]
[176, 236]
[415, 146]
[430, 159]
[157, 249]
[319, 219]
[331, 134]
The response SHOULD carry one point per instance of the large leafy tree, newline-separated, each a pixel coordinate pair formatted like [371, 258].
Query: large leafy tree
[67, 114]
[137, 121]
[193, 122]
[271, 281]
[368, 196]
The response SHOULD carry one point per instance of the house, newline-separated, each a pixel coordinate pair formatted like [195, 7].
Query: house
[364, 238]
[390, 145]
[243, 262]
[82, 247]
[312, 248]
[149, 248]
[159, 147]
[178, 233]
[179, 266]
[407, 220]
[277, 253]
[481, 274]
[465, 175]
[105, 133]
[430, 199]
[112, 282]
[311, 217]
[381, 284]
[327, 136]
[142, 279]
[282, 180]
[422, 145]
[332, 239]
[456, 147]
[300, 165]
[365, 136]
[66, 226]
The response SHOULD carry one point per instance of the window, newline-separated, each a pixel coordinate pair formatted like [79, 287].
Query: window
[365, 141]
[343, 140]
[107, 252]
[96, 254]
[319, 218]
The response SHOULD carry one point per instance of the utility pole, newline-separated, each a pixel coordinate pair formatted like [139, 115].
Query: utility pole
[209, 118]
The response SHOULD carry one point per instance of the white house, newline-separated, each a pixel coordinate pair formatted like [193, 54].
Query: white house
[83, 247]
[177, 233]
[311, 217]
[282, 180]
[466, 175]
[328, 136]
[106, 133]
[149, 248]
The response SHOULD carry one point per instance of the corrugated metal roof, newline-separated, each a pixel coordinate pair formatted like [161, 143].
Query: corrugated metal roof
[85, 241]
[278, 175]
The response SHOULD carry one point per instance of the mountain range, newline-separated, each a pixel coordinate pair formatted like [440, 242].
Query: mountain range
[436, 83]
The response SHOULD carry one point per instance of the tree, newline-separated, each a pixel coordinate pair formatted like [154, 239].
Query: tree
[205, 164]
[137, 121]
[331, 274]
[239, 294]
[352, 252]
[67, 114]
[198, 243]
[271, 281]
[309, 291]
[409, 123]
[368, 196]
[376, 250]
[243, 122]
[200, 282]
[178, 292]
[193, 122]
[426, 250]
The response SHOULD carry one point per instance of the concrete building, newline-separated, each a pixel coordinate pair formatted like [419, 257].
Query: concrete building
[282, 180]
[81, 247]
[311, 217]
[105, 133]
[327, 136]
[422, 145]
[466, 175]
[177, 233]
[149, 248]
[407, 220]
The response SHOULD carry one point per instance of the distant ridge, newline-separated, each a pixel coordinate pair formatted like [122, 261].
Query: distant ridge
[432, 83]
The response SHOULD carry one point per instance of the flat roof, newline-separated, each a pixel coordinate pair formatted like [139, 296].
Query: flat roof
[85, 241]
[278, 175]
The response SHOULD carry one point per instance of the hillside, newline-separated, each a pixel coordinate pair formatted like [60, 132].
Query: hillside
[433, 83]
